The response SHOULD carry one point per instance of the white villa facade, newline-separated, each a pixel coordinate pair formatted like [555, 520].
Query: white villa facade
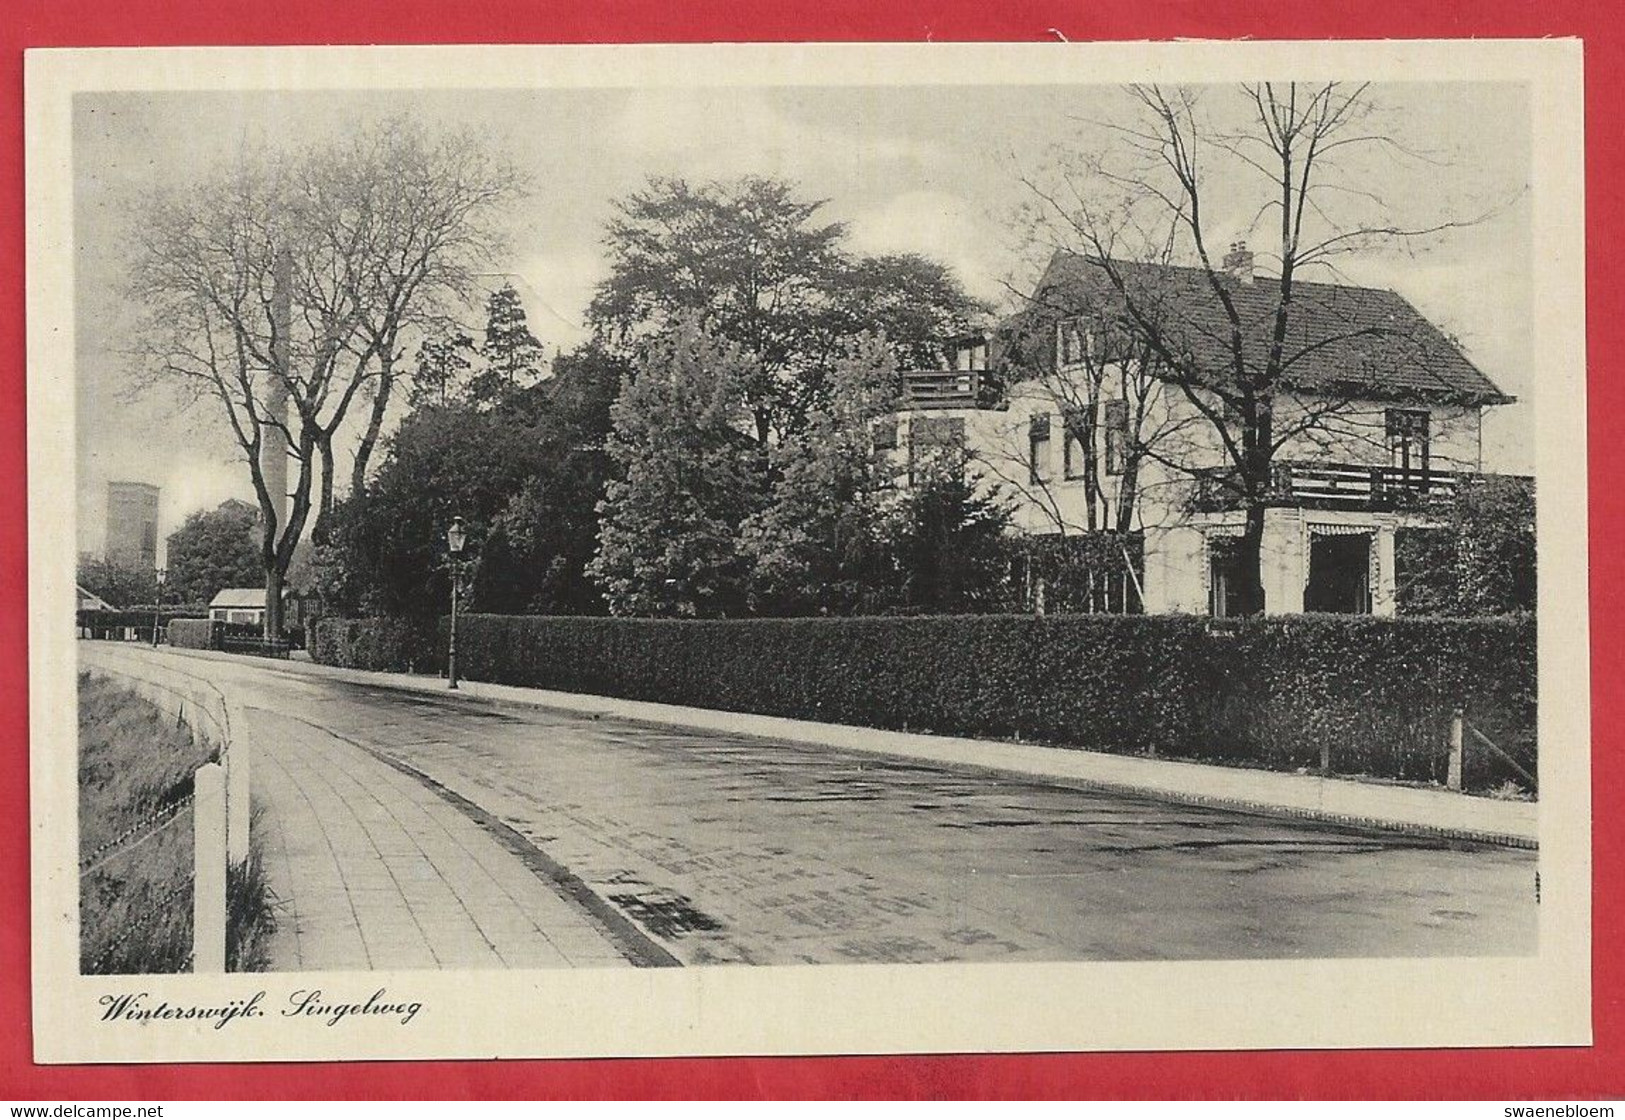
[1382, 422]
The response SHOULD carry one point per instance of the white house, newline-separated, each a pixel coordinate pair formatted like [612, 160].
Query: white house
[239, 604]
[1378, 417]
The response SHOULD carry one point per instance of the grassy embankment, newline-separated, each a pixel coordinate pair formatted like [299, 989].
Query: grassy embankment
[135, 904]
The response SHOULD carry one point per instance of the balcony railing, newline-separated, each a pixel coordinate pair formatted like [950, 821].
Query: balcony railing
[1332, 486]
[942, 388]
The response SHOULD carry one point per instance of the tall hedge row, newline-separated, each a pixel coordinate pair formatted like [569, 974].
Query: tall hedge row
[395, 645]
[1377, 693]
[192, 633]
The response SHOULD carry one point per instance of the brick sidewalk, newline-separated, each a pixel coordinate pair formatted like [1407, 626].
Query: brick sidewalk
[374, 870]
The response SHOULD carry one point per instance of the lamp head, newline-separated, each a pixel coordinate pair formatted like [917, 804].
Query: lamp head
[456, 537]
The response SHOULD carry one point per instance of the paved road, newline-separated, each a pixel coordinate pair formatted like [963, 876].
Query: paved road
[374, 869]
[730, 849]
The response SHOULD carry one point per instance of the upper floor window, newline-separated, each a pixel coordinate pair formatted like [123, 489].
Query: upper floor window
[1116, 425]
[1038, 449]
[1408, 439]
[1072, 342]
[1074, 452]
[970, 354]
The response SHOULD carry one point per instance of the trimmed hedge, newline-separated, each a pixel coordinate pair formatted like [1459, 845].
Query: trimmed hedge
[1377, 693]
[395, 645]
[193, 633]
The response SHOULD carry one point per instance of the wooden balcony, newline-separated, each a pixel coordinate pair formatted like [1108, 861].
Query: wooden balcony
[942, 388]
[1351, 486]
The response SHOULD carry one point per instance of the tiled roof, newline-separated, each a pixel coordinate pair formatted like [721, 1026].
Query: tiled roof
[1340, 338]
[239, 597]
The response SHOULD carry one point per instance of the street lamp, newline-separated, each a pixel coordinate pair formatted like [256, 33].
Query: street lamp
[158, 606]
[455, 539]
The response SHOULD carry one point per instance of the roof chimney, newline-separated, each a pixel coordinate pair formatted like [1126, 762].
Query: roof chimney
[1238, 262]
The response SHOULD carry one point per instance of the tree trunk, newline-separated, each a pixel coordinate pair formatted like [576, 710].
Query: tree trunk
[1249, 562]
[273, 601]
[1091, 461]
[324, 509]
[272, 625]
[1257, 452]
[1128, 493]
[375, 424]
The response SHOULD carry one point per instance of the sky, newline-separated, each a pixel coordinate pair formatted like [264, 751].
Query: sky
[936, 170]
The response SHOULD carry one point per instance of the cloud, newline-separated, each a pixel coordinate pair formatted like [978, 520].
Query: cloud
[719, 133]
[939, 225]
[556, 287]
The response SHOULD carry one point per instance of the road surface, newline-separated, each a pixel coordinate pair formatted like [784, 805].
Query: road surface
[711, 848]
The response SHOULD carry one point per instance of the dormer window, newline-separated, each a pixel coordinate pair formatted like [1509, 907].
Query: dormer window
[970, 354]
[1408, 435]
[1075, 343]
[1071, 342]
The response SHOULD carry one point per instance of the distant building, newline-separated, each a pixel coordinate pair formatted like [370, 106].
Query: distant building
[90, 601]
[132, 524]
[239, 604]
[1376, 425]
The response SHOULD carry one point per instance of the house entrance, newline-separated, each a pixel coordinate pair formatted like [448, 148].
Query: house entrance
[1339, 574]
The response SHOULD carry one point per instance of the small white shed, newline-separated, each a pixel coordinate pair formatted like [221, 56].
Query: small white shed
[239, 604]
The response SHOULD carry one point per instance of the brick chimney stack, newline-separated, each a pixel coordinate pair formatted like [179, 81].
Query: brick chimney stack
[1238, 262]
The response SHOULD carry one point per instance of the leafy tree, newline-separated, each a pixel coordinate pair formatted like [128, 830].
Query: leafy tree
[526, 477]
[386, 554]
[687, 479]
[1480, 562]
[582, 390]
[214, 549]
[917, 303]
[952, 543]
[1494, 520]
[512, 355]
[443, 362]
[760, 267]
[121, 584]
[820, 545]
[535, 557]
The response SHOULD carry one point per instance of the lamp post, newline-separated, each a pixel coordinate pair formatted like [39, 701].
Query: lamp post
[158, 606]
[455, 539]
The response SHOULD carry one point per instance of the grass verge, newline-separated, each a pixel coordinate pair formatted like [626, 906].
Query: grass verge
[135, 843]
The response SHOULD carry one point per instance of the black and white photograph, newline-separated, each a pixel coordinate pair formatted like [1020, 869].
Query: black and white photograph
[806, 549]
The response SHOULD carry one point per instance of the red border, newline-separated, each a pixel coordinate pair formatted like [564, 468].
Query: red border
[1552, 1073]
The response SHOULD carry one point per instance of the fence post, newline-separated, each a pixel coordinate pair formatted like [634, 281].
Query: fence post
[1452, 778]
[1325, 756]
[237, 760]
[209, 869]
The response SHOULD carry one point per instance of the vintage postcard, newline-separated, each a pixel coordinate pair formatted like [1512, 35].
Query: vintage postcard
[805, 549]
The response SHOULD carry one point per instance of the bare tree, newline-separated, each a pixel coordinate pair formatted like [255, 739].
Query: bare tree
[408, 217]
[1101, 385]
[1150, 198]
[281, 289]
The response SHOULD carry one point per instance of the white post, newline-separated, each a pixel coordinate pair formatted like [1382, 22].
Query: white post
[1453, 773]
[1384, 594]
[1281, 564]
[209, 869]
[236, 758]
